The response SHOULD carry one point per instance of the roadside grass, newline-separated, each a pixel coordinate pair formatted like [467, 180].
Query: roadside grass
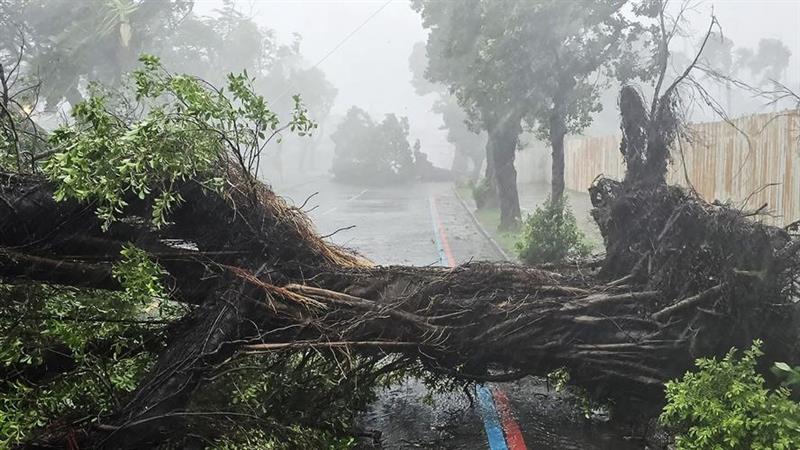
[507, 240]
[592, 236]
[489, 218]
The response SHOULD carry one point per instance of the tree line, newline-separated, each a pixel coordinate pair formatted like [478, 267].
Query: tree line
[545, 67]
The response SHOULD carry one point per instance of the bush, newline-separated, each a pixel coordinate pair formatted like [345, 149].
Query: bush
[551, 234]
[726, 406]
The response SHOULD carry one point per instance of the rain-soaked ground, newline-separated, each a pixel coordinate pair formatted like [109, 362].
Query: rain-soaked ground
[401, 226]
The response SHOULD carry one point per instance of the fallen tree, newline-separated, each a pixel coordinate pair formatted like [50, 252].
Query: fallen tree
[681, 279]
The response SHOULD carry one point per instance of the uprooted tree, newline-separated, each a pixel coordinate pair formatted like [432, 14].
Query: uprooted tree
[681, 278]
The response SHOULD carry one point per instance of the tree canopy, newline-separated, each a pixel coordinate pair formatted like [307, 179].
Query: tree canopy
[68, 44]
[101, 41]
[468, 145]
[578, 47]
[514, 60]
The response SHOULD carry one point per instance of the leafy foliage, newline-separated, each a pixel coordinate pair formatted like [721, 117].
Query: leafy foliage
[725, 405]
[769, 62]
[112, 157]
[551, 234]
[68, 356]
[96, 345]
[297, 437]
[290, 400]
[370, 152]
[72, 354]
[509, 61]
[98, 40]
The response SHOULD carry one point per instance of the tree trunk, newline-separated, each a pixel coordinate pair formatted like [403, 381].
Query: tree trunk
[504, 137]
[489, 174]
[460, 164]
[477, 165]
[486, 192]
[558, 131]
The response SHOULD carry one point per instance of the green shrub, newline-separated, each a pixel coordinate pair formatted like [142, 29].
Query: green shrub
[725, 405]
[551, 234]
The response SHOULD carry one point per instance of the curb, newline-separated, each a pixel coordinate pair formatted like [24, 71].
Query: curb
[482, 230]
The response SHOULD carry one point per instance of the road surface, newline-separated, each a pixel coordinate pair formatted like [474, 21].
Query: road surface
[425, 224]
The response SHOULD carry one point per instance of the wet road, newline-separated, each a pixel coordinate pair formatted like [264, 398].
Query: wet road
[399, 226]
[391, 225]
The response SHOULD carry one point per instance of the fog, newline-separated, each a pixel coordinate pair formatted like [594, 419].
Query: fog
[370, 67]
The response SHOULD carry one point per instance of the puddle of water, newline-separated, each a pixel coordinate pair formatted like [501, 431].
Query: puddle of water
[409, 416]
[555, 420]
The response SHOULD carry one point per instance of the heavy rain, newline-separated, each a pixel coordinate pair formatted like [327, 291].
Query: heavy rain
[398, 224]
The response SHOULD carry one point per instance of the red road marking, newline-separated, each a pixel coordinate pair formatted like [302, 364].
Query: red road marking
[513, 435]
[511, 429]
[451, 261]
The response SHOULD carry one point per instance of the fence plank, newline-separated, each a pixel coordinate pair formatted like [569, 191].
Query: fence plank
[733, 163]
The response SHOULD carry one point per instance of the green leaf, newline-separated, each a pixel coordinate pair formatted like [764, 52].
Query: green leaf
[783, 366]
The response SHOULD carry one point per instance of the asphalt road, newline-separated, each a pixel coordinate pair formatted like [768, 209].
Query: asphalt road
[397, 226]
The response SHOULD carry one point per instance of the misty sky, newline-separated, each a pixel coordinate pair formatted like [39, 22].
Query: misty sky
[371, 69]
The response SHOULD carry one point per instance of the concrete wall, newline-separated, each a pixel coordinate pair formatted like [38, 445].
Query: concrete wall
[751, 162]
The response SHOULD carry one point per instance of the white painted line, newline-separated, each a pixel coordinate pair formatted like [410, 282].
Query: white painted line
[355, 197]
[329, 211]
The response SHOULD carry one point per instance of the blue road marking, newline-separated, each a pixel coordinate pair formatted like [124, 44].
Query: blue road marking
[491, 420]
[439, 246]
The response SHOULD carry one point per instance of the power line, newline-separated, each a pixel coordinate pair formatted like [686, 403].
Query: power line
[356, 30]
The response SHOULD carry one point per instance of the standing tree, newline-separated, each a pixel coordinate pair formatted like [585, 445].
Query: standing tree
[288, 72]
[514, 60]
[68, 45]
[102, 40]
[468, 145]
[770, 61]
[319, 95]
[227, 41]
[766, 66]
[572, 47]
[70, 42]
[469, 53]
[718, 56]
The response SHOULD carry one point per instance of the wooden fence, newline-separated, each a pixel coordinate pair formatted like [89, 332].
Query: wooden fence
[755, 165]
